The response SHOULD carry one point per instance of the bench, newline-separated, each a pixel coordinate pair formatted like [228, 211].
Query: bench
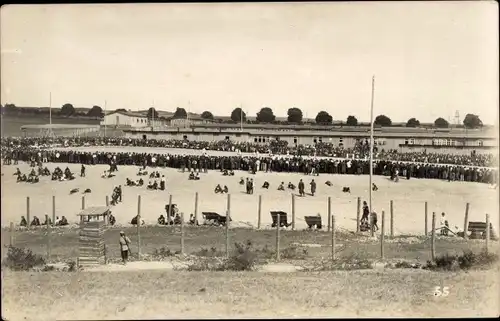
[212, 218]
[478, 230]
[283, 218]
[313, 221]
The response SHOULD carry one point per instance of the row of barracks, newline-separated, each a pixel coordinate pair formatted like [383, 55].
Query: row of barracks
[449, 140]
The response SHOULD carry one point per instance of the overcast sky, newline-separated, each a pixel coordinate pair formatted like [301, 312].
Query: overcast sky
[429, 59]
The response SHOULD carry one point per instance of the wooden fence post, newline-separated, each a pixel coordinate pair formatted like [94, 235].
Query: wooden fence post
[425, 227]
[228, 218]
[259, 213]
[83, 202]
[48, 236]
[278, 237]
[487, 231]
[139, 226]
[329, 212]
[333, 237]
[466, 221]
[372, 226]
[293, 212]
[107, 200]
[169, 208]
[28, 211]
[12, 231]
[358, 215]
[392, 219]
[182, 232]
[382, 235]
[433, 236]
[53, 210]
[196, 207]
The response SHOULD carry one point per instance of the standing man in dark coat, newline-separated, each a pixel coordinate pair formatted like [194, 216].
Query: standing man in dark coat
[313, 187]
[301, 188]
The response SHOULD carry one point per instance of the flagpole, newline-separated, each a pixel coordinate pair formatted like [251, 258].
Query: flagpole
[153, 116]
[371, 141]
[50, 109]
[241, 117]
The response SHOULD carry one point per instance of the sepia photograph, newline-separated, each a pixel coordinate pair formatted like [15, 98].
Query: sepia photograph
[250, 160]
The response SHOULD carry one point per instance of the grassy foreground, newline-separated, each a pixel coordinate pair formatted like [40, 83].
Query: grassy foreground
[169, 294]
[64, 242]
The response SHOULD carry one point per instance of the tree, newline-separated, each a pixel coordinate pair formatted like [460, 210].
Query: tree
[207, 115]
[295, 115]
[412, 122]
[95, 111]
[152, 113]
[441, 123]
[352, 121]
[180, 113]
[324, 118]
[383, 120]
[10, 109]
[238, 114]
[472, 121]
[265, 115]
[67, 110]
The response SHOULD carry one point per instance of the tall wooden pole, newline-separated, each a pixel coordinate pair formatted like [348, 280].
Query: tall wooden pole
[487, 232]
[425, 227]
[466, 220]
[196, 207]
[333, 237]
[392, 219]
[139, 225]
[278, 237]
[53, 210]
[182, 232]
[293, 212]
[433, 236]
[329, 212]
[382, 235]
[358, 215]
[228, 218]
[259, 214]
[28, 211]
[371, 141]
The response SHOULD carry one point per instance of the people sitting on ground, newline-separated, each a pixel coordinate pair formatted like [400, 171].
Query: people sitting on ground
[225, 173]
[140, 182]
[18, 172]
[218, 189]
[265, 185]
[45, 172]
[111, 219]
[87, 190]
[346, 189]
[231, 173]
[142, 172]
[177, 219]
[193, 220]
[242, 181]
[154, 174]
[161, 220]
[130, 182]
[374, 187]
[32, 173]
[74, 190]
[22, 178]
[134, 220]
[192, 176]
[33, 179]
[225, 189]
[328, 183]
[153, 185]
[291, 186]
[23, 222]
[35, 221]
[281, 187]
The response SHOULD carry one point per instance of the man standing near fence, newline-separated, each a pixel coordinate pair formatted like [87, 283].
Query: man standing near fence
[124, 246]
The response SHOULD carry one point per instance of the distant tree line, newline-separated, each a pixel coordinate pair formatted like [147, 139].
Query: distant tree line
[265, 115]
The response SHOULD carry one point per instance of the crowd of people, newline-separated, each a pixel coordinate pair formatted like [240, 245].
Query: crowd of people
[12, 146]
[266, 163]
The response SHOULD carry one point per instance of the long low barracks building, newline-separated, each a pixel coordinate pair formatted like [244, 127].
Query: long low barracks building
[449, 140]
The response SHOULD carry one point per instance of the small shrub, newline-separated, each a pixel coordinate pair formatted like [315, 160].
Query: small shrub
[294, 253]
[72, 266]
[243, 258]
[465, 261]
[162, 253]
[212, 252]
[21, 259]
